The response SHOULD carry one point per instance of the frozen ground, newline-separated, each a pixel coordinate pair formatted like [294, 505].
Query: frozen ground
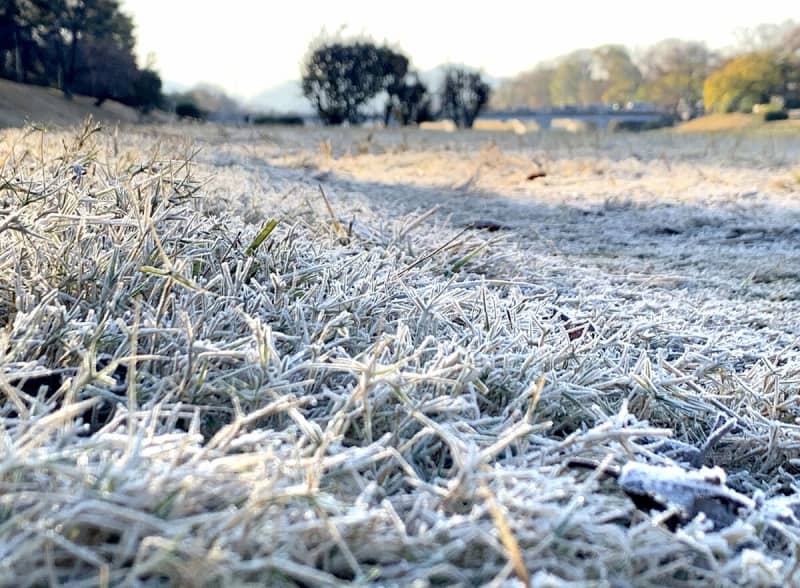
[434, 371]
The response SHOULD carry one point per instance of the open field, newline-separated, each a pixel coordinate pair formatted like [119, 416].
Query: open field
[458, 359]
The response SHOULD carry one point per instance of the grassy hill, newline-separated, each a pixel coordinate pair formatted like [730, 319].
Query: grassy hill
[20, 103]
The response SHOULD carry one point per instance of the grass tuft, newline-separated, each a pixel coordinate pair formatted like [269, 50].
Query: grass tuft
[193, 393]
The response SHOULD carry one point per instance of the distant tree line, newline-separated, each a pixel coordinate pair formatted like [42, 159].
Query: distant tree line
[205, 102]
[342, 78]
[78, 46]
[766, 67]
[684, 77]
[670, 74]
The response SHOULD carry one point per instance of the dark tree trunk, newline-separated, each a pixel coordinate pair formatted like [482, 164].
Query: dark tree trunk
[387, 113]
[69, 78]
[19, 70]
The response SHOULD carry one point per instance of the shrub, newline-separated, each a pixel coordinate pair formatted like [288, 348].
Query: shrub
[146, 91]
[409, 101]
[636, 126]
[189, 110]
[775, 115]
[278, 119]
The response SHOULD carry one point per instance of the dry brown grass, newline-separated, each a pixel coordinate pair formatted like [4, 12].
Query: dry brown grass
[738, 122]
[721, 122]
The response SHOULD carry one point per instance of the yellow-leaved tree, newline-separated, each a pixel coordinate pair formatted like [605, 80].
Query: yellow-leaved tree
[743, 82]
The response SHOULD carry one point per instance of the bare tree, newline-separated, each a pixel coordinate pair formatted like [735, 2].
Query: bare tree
[674, 71]
[618, 75]
[530, 89]
[573, 81]
[791, 41]
[764, 37]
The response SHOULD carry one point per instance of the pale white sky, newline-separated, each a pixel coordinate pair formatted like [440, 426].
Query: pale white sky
[249, 45]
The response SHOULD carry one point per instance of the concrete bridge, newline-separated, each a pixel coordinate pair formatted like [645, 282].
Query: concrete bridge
[594, 118]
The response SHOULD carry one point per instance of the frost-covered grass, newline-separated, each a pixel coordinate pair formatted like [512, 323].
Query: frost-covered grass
[376, 393]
